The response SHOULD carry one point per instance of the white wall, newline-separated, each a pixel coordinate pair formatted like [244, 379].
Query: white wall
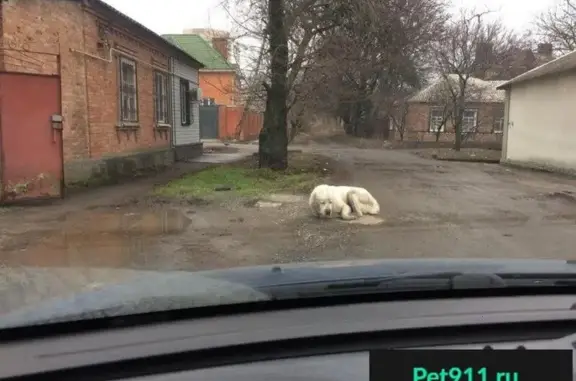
[183, 135]
[542, 123]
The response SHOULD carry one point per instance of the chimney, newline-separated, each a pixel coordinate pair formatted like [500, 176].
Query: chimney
[545, 50]
[221, 45]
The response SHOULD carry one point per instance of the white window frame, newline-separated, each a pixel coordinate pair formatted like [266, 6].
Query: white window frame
[128, 92]
[474, 120]
[432, 127]
[161, 109]
[500, 123]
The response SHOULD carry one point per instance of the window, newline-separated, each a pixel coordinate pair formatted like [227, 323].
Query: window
[161, 98]
[437, 119]
[185, 106]
[498, 126]
[469, 119]
[128, 91]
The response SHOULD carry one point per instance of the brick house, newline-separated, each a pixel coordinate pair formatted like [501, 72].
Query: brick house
[218, 77]
[428, 113]
[87, 88]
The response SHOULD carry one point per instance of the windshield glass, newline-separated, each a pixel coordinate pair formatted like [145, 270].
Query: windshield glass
[154, 157]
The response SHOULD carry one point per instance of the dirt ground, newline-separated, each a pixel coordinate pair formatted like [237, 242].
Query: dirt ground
[465, 154]
[430, 209]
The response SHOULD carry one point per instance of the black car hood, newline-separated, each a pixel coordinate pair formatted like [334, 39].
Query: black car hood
[135, 291]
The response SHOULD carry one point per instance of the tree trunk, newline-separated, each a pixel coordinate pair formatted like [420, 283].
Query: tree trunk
[273, 139]
[458, 139]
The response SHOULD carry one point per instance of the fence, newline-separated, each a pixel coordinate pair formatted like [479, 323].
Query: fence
[237, 123]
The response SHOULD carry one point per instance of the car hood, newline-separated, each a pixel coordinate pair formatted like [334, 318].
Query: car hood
[90, 293]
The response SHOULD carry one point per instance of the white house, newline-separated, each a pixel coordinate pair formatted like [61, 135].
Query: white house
[185, 112]
[540, 116]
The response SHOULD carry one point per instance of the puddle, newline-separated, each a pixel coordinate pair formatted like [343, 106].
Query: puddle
[96, 239]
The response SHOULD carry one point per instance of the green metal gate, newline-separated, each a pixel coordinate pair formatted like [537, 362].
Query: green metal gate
[208, 121]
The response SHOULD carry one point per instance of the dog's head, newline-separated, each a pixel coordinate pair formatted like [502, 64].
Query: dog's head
[325, 208]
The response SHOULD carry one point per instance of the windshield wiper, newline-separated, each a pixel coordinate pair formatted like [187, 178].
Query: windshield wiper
[398, 283]
[420, 282]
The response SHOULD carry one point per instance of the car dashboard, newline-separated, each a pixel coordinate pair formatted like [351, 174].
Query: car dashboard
[314, 344]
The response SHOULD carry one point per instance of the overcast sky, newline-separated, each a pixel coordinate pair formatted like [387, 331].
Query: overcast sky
[172, 16]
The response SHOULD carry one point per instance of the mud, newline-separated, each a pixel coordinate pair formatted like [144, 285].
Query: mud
[428, 210]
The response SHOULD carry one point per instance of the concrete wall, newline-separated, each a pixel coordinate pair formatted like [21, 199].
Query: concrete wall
[115, 169]
[540, 130]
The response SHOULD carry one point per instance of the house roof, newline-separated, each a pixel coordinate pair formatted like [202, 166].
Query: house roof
[199, 48]
[556, 66]
[478, 90]
[178, 51]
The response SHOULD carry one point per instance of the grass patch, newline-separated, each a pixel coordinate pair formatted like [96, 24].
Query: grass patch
[246, 180]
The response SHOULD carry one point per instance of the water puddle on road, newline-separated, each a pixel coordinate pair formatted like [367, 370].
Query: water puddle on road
[117, 239]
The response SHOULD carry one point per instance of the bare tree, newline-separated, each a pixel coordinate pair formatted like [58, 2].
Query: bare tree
[273, 140]
[558, 26]
[302, 21]
[457, 62]
[398, 111]
[371, 61]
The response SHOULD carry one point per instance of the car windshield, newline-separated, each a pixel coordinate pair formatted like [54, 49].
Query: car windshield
[163, 157]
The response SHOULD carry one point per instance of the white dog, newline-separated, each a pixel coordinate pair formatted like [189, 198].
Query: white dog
[327, 201]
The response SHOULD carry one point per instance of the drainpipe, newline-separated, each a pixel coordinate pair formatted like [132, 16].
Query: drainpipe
[173, 101]
[507, 125]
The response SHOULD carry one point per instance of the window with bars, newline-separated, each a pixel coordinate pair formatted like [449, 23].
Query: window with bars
[185, 103]
[161, 98]
[128, 91]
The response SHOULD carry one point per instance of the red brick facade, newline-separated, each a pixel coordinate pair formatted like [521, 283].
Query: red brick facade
[418, 124]
[39, 36]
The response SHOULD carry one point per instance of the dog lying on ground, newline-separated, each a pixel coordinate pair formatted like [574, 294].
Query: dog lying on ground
[328, 201]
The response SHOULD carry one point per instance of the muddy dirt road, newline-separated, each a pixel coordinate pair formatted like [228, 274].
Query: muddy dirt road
[429, 209]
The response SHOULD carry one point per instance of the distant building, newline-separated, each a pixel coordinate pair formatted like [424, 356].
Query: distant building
[218, 77]
[483, 120]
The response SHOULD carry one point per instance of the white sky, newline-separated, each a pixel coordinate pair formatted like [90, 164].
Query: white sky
[172, 16]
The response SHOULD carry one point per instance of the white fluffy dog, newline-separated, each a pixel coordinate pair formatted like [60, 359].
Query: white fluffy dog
[328, 201]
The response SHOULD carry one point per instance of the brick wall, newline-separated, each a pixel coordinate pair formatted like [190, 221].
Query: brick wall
[418, 124]
[39, 30]
[219, 85]
[102, 90]
[35, 32]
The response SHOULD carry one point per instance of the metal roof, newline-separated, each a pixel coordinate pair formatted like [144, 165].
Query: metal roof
[199, 48]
